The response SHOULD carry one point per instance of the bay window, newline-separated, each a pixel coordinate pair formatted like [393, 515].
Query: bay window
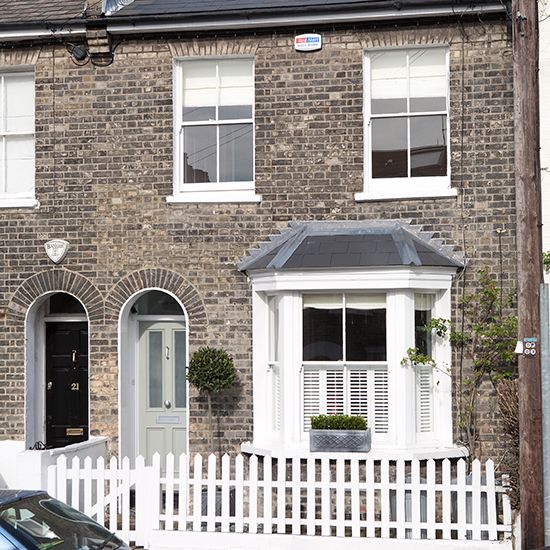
[336, 351]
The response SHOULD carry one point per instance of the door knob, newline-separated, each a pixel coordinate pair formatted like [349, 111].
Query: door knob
[167, 404]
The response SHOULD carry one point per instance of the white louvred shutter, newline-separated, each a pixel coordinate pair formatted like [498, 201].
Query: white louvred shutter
[358, 393]
[334, 403]
[276, 397]
[312, 384]
[424, 399]
[381, 403]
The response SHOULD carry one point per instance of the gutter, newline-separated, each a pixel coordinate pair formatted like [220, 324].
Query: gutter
[265, 21]
[13, 35]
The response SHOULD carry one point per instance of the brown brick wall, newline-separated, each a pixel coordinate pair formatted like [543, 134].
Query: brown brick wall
[104, 170]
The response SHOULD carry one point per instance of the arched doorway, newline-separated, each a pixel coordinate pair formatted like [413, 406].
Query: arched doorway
[152, 374]
[57, 389]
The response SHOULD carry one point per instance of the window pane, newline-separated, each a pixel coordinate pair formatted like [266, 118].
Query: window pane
[322, 329]
[428, 83]
[365, 334]
[155, 368]
[19, 103]
[236, 152]
[429, 145]
[65, 303]
[179, 368]
[20, 164]
[156, 302]
[388, 82]
[389, 148]
[200, 90]
[422, 316]
[199, 154]
[273, 305]
[229, 112]
[236, 85]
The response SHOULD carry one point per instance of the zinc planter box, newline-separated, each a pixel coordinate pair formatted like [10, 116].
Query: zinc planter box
[340, 441]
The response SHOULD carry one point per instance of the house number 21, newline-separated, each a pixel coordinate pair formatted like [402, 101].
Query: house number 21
[75, 386]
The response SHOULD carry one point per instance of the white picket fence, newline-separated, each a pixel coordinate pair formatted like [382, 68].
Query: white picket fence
[328, 497]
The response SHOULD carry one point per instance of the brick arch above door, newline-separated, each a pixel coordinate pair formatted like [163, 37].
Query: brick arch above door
[161, 279]
[56, 280]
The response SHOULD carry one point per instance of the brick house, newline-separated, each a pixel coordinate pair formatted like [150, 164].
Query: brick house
[210, 184]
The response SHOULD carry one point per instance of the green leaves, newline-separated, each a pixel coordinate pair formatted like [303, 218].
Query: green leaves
[211, 370]
[338, 422]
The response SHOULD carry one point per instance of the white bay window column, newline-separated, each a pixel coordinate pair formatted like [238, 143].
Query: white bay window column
[443, 420]
[290, 331]
[260, 386]
[400, 331]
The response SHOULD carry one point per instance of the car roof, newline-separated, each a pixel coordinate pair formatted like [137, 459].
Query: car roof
[8, 496]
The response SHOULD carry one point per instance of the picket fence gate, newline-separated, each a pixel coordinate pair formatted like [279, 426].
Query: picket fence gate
[328, 497]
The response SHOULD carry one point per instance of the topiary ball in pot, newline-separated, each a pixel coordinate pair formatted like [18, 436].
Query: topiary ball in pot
[211, 371]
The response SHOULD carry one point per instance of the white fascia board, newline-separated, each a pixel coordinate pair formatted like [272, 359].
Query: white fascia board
[28, 34]
[434, 278]
[245, 22]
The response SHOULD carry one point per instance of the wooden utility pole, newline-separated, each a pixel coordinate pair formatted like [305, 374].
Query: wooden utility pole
[529, 268]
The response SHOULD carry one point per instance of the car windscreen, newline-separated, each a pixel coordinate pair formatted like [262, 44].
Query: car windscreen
[52, 524]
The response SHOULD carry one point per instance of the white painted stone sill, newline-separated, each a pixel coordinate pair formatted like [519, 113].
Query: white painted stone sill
[302, 451]
[215, 196]
[18, 203]
[365, 196]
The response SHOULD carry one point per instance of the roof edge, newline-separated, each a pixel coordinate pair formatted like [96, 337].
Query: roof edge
[120, 25]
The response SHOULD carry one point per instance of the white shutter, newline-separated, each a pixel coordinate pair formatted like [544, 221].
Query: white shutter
[334, 393]
[424, 399]
[381, 404]
[311, 396]
[359, 393]
[276, 397]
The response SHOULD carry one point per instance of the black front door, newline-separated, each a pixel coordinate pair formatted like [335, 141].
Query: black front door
[66, 383]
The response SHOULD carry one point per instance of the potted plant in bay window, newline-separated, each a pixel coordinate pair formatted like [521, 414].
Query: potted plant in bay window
[339, 433]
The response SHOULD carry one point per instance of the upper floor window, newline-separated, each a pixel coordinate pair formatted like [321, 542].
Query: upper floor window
[17, 139]
[407, 123]
[215, 130]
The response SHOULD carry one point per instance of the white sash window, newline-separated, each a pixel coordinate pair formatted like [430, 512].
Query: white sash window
[344, 357]
[17, 139]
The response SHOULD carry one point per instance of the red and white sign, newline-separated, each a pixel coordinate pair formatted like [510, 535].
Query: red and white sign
[308, 42]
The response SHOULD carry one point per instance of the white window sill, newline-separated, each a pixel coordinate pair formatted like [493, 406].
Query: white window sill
[388, 194]
[376, 453]
[216, 195]
[14, 202]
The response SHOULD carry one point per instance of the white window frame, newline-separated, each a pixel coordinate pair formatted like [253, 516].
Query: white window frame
[407, 187]
[210, 192]
[399, 284]
[23, 199]
[345, 366]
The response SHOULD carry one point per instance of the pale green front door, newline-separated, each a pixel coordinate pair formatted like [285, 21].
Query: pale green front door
[162, 390]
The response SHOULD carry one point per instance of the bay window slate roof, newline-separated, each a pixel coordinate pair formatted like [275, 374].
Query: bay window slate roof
[333, 245]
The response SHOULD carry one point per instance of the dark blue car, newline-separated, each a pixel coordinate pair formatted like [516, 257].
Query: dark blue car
[32, 520]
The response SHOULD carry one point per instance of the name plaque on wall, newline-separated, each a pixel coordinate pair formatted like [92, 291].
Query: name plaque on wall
[56, 249]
